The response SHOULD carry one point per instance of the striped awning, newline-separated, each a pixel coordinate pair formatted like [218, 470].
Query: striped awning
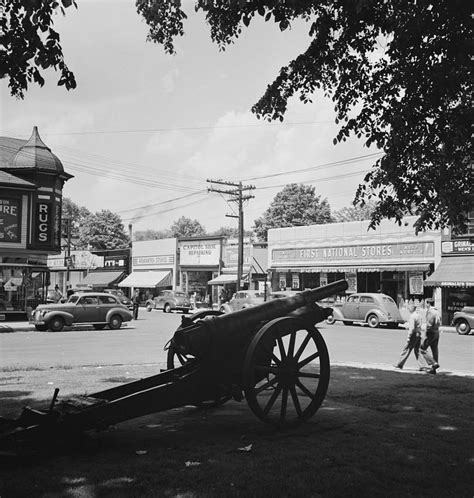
[453, 271]
[101, 278]
[147, 279]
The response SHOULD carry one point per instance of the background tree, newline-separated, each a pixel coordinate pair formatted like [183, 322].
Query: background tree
[399, 75]
[354, 213]
[103, 230]
[186, 227]
[141, 235]
[295, 205]
[231, 232]
[29, 43]
[77, 214]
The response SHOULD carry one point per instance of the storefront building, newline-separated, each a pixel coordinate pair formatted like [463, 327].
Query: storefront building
[254, 268]
[92, 270]
[454, 277]
[200, 260]
[153, 267]
[391, 259]
[80, 264]
[31, 183]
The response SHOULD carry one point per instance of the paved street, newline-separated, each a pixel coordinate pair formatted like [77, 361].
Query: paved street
[142, 342]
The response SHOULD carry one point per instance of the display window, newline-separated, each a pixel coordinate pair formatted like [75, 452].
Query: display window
[21, 288]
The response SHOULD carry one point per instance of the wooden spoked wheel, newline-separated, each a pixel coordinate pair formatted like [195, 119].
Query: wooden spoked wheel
[175, 359]
[286, 372]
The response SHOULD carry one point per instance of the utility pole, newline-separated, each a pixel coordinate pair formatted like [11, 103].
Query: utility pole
[236, 195]
[68, 249]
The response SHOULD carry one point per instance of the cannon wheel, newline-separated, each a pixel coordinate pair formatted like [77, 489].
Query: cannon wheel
[280, 385]
[182, 359]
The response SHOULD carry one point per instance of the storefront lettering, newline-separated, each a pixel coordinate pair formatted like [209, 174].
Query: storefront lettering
[9, 220]
[43, 218]
[153, 260]
[355, 252]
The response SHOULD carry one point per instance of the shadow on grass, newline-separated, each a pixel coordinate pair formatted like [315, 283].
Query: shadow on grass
[378, 433]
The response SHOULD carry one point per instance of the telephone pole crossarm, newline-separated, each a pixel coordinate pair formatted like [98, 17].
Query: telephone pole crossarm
[236, 196]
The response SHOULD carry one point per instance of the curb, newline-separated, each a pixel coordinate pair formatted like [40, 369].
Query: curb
[27, 327]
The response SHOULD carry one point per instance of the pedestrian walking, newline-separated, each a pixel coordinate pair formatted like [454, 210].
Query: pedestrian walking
[413, 338]
[135, 303]
[430, 339]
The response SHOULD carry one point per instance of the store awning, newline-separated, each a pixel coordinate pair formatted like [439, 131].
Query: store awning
[455, 271]
[101, 278]
[147, 279]
[230, 278]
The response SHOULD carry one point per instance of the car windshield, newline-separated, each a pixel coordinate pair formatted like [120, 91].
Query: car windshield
[179, 294]
[259, 294]
[73, 298]
[389, 300]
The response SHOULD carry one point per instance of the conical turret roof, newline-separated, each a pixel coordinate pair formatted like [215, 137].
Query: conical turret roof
[35, 154]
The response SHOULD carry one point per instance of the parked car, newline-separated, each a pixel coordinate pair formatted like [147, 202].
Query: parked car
[169, 300]
[373, 309]
[121, 296]
[464, 320]
[89, 308]
[243, 299]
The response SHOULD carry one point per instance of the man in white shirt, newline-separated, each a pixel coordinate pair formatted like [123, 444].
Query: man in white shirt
[413, 338]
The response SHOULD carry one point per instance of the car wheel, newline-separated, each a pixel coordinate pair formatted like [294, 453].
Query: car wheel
[98, 326]
[41, 328]
[56, 324]
[330, 319]
[462, 327]
[373, 321]
[167, 308]
[347, 322]
[115, 322]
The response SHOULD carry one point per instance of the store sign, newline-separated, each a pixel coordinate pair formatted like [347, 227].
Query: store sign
[10, 217]
[231, 255]
[114, 262]
[44, 222]
[79, 260]
[164, 259]
[416, 282]
[356, 253]
[200, 253]
[458, 247]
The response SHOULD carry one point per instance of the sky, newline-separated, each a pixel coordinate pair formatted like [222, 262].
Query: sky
[144, 130]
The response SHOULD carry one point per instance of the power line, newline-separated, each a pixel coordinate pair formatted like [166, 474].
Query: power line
[186, 128]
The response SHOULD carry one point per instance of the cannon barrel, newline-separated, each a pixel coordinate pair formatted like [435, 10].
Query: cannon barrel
[226, 334]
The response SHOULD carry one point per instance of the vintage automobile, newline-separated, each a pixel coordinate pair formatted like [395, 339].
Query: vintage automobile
[463, 320]
[168, 301]
[374, 309]
[121, 296]
[98, 309]
[243, 299]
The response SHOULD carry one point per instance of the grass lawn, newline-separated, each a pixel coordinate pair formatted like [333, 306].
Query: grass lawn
[378, 433]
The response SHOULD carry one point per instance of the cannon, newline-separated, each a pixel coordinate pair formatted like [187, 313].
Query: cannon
[271, 354]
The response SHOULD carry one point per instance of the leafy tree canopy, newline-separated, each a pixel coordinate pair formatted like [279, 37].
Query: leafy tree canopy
[29, 44]
[295, 205]
[186, 227]
[103, 230]
[399, 76]
[77, 215]
[231, 232]
[354, 213]
[141, 235]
